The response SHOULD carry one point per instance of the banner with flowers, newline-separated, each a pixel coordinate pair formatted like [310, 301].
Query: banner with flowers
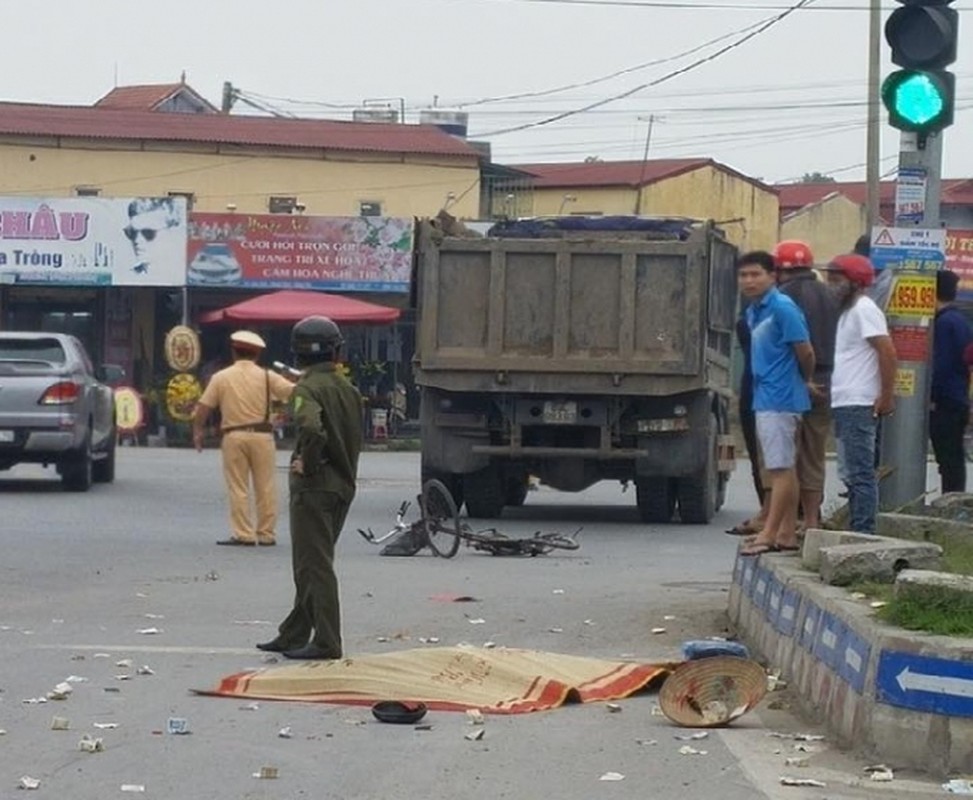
[292, 251]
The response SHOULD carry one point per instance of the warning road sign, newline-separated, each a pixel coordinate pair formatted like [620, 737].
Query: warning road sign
[912, 249]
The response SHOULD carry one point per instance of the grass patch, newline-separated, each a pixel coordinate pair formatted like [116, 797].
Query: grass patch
[934, 610]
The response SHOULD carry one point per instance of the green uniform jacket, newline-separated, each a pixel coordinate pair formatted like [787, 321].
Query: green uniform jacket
[328, 418]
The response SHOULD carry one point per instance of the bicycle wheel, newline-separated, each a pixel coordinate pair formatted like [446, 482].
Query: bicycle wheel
[556, 541]
[440, 519]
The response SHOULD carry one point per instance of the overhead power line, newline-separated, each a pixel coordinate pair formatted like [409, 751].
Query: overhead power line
[668, 76]
[699, 6]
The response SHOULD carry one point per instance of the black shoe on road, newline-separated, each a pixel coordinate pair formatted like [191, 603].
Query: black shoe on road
[310, 652]
[274, 646]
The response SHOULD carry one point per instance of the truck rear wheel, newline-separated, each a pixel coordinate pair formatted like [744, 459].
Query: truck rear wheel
[656, 499]
[485, 493]
[516, 491]
[698, 494]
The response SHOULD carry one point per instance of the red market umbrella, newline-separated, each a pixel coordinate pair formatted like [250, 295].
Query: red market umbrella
[292, 306]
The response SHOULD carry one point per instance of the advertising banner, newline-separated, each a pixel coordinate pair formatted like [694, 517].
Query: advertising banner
[959, 258]
[283, 251]
[93, 241]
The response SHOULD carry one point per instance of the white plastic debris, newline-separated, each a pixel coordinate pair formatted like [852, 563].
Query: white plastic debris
[60, 692]
[774, 683]
[555, 630]
[2, 732]
[125, 663]
[91, 745]
[797, 737]
[123, 677]
[75, 679]
[141, 594]
[212, 575]
[557, 591]
[693, 737]
[786, 781]
[489, 645]
[178, 726]
[613, 708]
[285, 733]
[475, 716]
[878, 604]
[150, 631]
[475, 736]
[28, 782]
[688, 750]
[155, 616]
[612, 776]
[145, 670]
[796, 761]
[958, 786]
[102, 655]
[669, 617]
[646, 742]
[60, 724]
[382, 639]
[106, 726]
[250, 707]
[133, 787]
[858, 595]
[883, 776]
[477, 621]
[267, 773]
[589, 622]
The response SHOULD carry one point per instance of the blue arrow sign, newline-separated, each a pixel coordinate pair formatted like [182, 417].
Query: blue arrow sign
[938, 685]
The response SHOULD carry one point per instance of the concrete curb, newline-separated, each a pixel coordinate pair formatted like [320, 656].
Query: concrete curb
[896, 696]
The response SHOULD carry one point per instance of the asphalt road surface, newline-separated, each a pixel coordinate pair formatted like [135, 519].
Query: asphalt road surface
[80, 575]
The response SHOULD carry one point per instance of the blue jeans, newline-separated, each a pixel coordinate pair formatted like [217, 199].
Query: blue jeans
[855, 429]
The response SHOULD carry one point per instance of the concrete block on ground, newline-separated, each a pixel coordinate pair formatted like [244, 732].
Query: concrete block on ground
[955, 505]
[923, 528]
[816, 538]
[881, 561]
[918, 582]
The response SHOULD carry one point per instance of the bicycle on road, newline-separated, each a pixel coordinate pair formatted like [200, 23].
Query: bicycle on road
[439, 527]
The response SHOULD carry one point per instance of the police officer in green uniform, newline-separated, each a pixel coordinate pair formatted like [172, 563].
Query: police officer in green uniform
[324, 467]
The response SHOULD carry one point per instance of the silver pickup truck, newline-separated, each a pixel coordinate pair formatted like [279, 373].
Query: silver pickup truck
[54, 410]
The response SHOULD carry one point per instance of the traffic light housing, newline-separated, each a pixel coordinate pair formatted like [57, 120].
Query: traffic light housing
[921, 96]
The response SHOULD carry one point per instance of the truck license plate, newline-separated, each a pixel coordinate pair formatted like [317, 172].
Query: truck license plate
[560, 413]
[6, 436]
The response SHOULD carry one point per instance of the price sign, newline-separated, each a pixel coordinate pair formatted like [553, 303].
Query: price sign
[913, 296]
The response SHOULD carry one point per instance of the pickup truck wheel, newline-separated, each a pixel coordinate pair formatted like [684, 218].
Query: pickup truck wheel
[485, 493]
[103, 471]
[698, 494]
[76, 472]
[656, 499]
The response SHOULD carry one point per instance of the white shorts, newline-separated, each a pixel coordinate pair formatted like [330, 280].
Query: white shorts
[777, 434]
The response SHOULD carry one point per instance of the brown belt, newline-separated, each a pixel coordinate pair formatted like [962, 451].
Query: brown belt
[258, 427]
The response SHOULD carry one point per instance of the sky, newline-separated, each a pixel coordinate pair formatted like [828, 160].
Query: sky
[789, 101]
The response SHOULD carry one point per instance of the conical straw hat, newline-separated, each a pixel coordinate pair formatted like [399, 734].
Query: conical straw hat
[710, 692]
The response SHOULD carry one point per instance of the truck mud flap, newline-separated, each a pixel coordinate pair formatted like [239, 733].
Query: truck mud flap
[727, 452]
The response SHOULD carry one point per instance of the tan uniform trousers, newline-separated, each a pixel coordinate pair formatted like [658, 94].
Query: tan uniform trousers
[246, 455]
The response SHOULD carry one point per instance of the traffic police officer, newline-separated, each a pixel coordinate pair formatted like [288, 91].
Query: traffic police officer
[324, 467]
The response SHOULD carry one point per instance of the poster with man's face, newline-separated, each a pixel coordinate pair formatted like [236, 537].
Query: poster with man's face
[93, 241]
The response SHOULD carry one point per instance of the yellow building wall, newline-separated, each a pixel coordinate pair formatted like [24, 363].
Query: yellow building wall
[830, 227]
[597, 200]
[711, 193]
[329, 184]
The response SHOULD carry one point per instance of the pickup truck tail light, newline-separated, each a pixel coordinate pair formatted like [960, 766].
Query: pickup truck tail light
[60, 394]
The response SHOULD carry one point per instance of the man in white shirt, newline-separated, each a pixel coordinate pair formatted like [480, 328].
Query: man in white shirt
[861, 384]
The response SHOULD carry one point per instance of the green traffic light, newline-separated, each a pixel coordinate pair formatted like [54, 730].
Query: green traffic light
[918, 99]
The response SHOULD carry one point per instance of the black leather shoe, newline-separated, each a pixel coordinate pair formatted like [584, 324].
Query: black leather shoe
[274, 646]
[233, 542]
[310, 652]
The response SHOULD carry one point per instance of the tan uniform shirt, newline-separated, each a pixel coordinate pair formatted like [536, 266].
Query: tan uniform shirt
[240, 393]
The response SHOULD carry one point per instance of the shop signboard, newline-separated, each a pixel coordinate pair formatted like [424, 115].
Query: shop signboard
[959, 258]
[93, 241]
[293, 251]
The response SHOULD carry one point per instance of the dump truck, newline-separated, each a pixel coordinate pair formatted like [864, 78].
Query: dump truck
[577, 350]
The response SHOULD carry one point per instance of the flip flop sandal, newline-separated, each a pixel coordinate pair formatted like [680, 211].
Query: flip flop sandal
[743, 529]
[757, 550]
[398, 713]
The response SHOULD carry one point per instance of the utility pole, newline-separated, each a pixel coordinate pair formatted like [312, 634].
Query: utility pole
[645, 161]
[229, 95]
[873, 143]
[920, 99]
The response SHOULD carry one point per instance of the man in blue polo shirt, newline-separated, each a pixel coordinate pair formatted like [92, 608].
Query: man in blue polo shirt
[782, 361]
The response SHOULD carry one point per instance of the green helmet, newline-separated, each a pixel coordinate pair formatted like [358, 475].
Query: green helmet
[314, 336]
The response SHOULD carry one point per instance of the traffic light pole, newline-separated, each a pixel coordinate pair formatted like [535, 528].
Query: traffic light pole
[905, 435]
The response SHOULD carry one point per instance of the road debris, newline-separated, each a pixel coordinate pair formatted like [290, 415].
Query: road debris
[60, 692]
[155, 616]
[60, 723]
[882, 776]
[75, 679]
[797, 737]
[285, 733]
[958, 786]
[589, 622]
[613, 708]
[657, 631]
[178, 726]
[489, 645]
[133, 787]
[692, 737]
[646, 742]
[123, 677]
[269, 659]
[424, 727]
[382, 639]
[797, 761]
[2, 732]
[252, 622]
[878, 604]
[125, 663]
[267, 773]
[774, 683]
[149, 631]
[475, 716]
[102, 655]
[786, 781]
[429, 639]
[250, 707]
[688, 750]
[477, 621]
[105, 726]
[858, 595]
[669, 617]
[89, 744]
[555, 630]
[453, 598]
[145, 670]
[28, 782]
[113, 689]
[33, 701]
[612, 776]
[475, 736]
[212, 575]
[557, 591]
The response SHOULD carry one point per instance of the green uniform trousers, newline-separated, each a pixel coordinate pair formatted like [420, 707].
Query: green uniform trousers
[316, 517]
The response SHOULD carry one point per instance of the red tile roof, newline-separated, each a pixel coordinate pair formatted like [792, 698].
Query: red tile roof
[85, 122]
[139, 98]
[621, 173]
[795, 196]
